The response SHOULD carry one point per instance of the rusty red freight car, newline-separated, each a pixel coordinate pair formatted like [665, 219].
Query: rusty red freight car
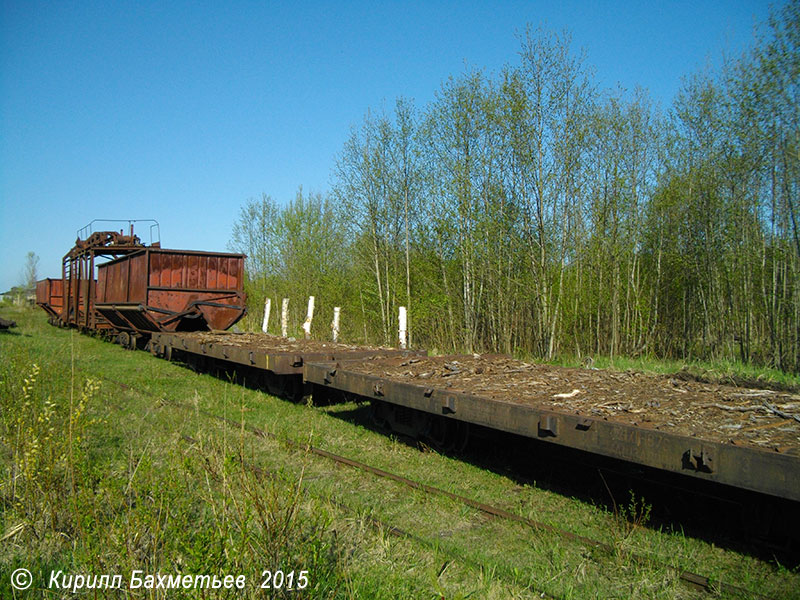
[114, 284]
[78, 274]
[50, 296]
[156, 289]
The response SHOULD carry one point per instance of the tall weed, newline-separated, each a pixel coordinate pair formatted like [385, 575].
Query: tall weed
[72, 500]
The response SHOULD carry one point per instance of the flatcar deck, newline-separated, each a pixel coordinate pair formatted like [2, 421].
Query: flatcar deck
[281, 356]
[741, 437]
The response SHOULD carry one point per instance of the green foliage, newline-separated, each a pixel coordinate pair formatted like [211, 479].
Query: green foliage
[530, 211]
[294, 252]
[77, 499]
[164, 489]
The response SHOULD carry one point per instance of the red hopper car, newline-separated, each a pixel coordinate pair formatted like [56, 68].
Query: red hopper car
[171, 290]
[143, 289]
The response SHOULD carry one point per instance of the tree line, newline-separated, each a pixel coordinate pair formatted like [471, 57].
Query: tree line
[530, 211]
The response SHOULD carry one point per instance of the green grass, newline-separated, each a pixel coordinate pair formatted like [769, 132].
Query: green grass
[95, 485]
[105, 470]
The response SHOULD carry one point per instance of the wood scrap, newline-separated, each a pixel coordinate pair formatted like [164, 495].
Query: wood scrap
[780, 413]
[734, 408]
[769, 425]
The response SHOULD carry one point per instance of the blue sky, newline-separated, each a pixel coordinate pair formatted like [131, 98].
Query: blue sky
[182, 111]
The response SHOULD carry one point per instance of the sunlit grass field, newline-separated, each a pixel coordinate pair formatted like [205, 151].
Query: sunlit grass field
[109, 467]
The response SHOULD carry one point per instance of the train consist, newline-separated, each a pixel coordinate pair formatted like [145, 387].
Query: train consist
[114, 284]
[177, 304]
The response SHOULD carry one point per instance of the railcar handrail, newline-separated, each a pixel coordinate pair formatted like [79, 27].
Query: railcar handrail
[87, 230]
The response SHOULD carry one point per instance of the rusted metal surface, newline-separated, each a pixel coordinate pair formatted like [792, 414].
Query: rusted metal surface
[79, 266]
[156, 289]
[106, 239]
[50, 296]
[261, 351]
[768, 472]
[670, 403]
[145, 288]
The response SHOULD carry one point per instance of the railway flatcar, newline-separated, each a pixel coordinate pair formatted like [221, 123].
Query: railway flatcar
[177, 302]
[714, 433]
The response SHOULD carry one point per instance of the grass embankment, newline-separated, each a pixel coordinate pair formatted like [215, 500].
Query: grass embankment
[105, 473]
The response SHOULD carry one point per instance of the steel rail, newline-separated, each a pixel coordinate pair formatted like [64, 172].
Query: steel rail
[690, 578]
[374, 522]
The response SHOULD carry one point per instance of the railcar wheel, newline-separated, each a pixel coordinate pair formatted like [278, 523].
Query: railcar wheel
[378, 415]
[447, 435]
[300, 392]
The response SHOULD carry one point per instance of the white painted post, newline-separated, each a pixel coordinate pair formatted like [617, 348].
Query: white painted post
[309, 316]
[402, 318]
[267, 306]
[285, 318]
[335, 324]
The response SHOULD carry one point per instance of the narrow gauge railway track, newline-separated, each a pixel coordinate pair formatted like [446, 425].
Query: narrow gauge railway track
[694, 580]
[370, 519]
[689, 578]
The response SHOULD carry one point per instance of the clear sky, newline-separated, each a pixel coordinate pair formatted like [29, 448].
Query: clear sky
[181, 111]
